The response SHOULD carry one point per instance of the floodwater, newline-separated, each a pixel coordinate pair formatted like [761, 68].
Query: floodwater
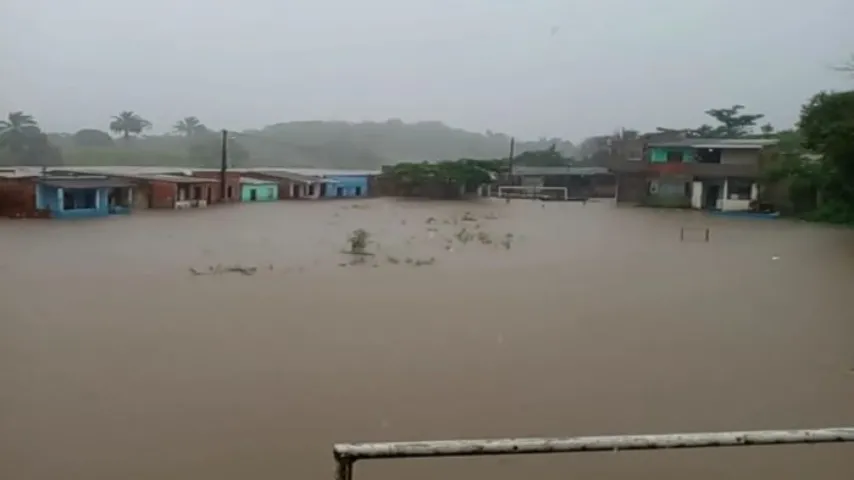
[117, 362]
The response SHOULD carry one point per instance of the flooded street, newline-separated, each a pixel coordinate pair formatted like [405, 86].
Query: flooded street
[117, 362]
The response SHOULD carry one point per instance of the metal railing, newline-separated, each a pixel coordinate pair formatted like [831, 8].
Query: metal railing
[346, 454]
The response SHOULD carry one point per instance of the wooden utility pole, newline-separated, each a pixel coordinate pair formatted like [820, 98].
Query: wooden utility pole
[223, 165]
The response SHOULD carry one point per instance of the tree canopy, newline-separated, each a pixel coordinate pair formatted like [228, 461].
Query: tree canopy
[190, 127]
[128, 123]
[90, 137]
[445, 179]
[24, 142]
[731, 123]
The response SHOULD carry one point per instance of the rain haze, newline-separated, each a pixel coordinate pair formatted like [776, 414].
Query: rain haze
[182, 303]
[558, 68]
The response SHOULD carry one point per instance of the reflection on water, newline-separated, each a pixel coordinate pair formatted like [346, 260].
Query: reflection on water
[116, 362]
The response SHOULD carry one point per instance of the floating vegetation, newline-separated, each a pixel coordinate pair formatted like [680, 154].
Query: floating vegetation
[358, 241]
[464, 236]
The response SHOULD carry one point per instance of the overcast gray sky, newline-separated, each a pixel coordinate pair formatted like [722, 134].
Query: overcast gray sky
[568, 68]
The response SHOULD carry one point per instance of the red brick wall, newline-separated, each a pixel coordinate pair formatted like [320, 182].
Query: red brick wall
[163, 194]
[232, 179]
[18, 198]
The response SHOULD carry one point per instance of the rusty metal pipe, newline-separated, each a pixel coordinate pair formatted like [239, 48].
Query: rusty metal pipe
[350, 452]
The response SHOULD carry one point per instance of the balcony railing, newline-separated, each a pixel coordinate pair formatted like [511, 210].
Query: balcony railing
[346, 454]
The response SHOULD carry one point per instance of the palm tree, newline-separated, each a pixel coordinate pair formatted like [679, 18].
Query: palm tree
[190, 126]
[19, 131]
[128, 123]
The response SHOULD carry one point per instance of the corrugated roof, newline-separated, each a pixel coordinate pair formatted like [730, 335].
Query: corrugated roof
[743, 143]
[294, 177]
[529, 170]
[255, 181]
[172, 178]
[72, 183]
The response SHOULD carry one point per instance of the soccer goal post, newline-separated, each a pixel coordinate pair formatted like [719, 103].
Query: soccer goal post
[529, 191]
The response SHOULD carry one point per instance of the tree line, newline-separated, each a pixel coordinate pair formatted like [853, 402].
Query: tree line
[22, 142]
[127, 140]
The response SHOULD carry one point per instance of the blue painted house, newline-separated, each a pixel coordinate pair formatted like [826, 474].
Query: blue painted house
[347, 186]
[80, 196]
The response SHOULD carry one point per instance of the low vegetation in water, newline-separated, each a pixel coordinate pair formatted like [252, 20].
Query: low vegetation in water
[358, 241]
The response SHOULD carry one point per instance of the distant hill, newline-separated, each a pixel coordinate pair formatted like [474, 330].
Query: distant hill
[364, 145]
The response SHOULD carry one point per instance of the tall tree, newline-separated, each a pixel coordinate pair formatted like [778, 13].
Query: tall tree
[732, 123]
[27, 144]
[827, 126]
[128, 123]
[189, 127]
[18, 132]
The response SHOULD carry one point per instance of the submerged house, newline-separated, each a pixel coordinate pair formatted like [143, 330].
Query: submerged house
[715, 174]
[172, 191]
[82, 196]
[349, 186]
[291, 185]
[258, 190]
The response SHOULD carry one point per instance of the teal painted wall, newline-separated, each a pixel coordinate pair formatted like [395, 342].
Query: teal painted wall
[263, 193]
[659, 155]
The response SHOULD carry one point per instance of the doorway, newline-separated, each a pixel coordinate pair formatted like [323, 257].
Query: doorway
[253, 195]
[210, 195]
[339, 192]
[358, 191]
[711, 194]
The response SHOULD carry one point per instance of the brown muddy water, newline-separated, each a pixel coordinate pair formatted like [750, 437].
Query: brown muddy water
[116, 362]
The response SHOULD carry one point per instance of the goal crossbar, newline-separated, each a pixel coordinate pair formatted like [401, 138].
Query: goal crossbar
[532, 191]
[348, 453]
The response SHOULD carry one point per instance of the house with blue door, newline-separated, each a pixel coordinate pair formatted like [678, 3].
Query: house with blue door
[83, 196]
[346, 186]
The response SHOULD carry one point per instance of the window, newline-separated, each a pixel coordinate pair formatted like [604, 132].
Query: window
[739, 188]
[708, 155]
[674, 156]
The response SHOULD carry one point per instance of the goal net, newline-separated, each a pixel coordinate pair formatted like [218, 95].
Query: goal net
[529, 191]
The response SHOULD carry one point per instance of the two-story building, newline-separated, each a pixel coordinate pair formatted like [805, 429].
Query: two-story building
[702, 173]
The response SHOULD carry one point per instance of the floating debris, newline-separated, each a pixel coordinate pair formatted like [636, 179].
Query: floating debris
[507, 242]
[464, 236]
[429, 261]
[392, 260]
[221, 269]
[468, 217]
[430, 220]
[484, 238]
